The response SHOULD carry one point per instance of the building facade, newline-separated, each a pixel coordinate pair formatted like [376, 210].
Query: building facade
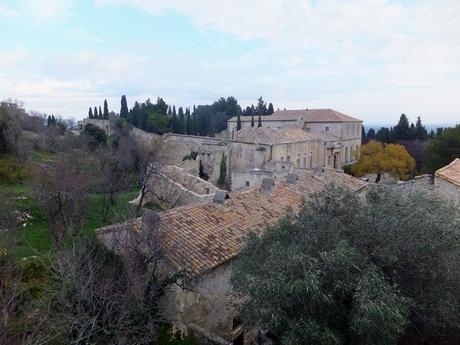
[340, 133]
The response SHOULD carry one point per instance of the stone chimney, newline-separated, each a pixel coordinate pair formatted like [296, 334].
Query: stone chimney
[318, 173]
[267, 185]
[150, 218]
[292, 178]
[222, 200]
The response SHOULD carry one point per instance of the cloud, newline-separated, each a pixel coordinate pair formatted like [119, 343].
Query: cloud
[43, 11]
[371, 58]
[7, 11]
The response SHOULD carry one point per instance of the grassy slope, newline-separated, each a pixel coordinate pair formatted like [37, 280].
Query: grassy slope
[34, 235]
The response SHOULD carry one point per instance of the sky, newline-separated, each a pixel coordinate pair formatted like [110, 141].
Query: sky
[372, 59]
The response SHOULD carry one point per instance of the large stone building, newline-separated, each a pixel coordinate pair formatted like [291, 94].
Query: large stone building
[340, 133]
[291, 139]
[202, 240]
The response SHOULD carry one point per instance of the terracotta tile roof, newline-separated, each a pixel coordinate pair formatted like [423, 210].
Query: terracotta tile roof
[269, 135]
[200, 237]
[310, 115]
[450, 172]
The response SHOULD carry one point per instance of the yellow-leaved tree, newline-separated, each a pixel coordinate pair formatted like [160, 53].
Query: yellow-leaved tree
[378, 158]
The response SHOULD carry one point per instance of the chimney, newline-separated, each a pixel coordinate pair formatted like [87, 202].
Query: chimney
[150, 218]
[318, 173]
[222, 200]
[292, 178]
[267, 185]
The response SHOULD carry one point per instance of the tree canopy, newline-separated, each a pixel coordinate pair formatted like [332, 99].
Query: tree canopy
[378, 158]
[442, 149]
[349, 270]
[10, 132]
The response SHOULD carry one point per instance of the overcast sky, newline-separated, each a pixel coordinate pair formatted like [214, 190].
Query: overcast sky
[372, 59]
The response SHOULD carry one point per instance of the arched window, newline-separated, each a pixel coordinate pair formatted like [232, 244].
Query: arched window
[346, 154]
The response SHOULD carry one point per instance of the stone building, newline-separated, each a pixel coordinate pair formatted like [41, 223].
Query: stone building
[105, 125]
[340, 133]
[447, 181]
[203, 239]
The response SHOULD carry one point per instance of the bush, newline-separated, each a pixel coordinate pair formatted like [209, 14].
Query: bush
[353, 271]
[11, 171]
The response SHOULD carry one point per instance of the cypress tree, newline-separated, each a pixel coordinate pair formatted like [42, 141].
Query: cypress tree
[101, 116]
[124, 107]
[420, 131]
[189, 124]
[96, 116]
[48, 121]
[106, 110]
[238, 123]
[271, 110]
[181, 126]
[221, 182]
[194, 123]
[259, 124]
[252, 120]
[90, 113]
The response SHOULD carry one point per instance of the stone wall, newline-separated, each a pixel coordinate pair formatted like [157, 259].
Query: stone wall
[105, 125]
[448, 190]
[175, 187]
[193, 152]
[206, 302]
[242, 179]
[306, 154]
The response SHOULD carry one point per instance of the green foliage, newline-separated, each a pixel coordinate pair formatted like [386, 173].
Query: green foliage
[442, 149]
[106, 110]
[124, 107]
[222, 181]
[149, 116]
[353, 271]
[192, 156]
[10, 132]
[95, 136]
[11, 170]
[238, 122]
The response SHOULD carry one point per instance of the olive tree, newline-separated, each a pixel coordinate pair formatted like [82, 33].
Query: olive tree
[374, 270]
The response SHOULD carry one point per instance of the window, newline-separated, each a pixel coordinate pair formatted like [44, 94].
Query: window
[247, 183]
[288, 158]
[326, 128]
[206, 190]
[346, 154]
[304, 162]
[298, 162]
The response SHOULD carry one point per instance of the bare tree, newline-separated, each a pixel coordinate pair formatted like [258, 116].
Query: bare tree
[61, 188]
[110, 296]
[114, 177]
